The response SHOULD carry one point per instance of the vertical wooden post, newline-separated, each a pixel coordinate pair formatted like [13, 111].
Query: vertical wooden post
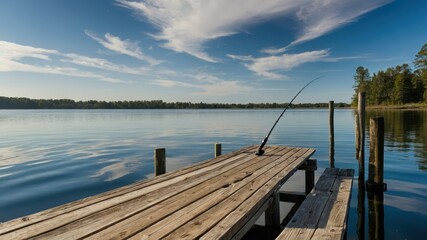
[361, 158]
[331, 135]
[375, 185]
[357, 134]
[217, 149]
[376, 155]
[159, 161]
[309, 175]
[272, 213]
[361, 113]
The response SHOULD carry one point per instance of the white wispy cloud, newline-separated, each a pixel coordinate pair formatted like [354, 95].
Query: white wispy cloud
[320, 17]
[126, 47]
[274, 51]
[13, 51]
[101, 64]
[12, 56]
[323, 16]
[7, 65]
[171, 83]
[271, 66]
[206, 84]
[186, 25]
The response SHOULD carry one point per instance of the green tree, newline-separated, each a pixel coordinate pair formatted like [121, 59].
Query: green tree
[361, 82]
[403, 87]
[420, 63]
[421, 58]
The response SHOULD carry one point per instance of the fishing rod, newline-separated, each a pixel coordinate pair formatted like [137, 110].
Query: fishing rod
[260, 150]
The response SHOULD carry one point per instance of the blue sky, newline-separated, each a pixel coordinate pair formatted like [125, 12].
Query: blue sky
[234, 51]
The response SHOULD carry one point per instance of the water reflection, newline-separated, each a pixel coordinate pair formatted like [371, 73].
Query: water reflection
[405, 131]
[48, 158]
[376, 215]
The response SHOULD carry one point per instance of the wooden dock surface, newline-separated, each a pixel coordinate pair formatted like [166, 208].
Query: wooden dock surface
[214, 199]
[323, 214]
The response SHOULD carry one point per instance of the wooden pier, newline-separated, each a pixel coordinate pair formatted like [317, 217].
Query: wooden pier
[217, 199]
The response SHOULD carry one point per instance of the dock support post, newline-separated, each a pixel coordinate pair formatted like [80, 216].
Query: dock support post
[217, 149]
[331, 135]
[362, 113]
[376, 156]
[357, 134]
[272, 213]
[309, 175]
[375, 185]
[361, 157]
[160, 161]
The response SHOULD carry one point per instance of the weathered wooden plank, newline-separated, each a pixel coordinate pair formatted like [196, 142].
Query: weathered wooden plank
[174, 221]
[335, 213]
[234, 221]
[166, 179]
[329, 233]
[185, 203]
[167, 187]
[204, 222]
[241, 173]
[304, 222]
[325, 208]
[327, 179]
[133, 211]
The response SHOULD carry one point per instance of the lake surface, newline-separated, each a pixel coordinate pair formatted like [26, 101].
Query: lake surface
[51, 157]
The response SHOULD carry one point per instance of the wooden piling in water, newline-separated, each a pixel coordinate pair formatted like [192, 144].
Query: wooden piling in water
[357, 134]
[360, 155]
[331, 135]
[376, 155]
[361, 113]
[159, 161]
[375, 184]
[217, 149]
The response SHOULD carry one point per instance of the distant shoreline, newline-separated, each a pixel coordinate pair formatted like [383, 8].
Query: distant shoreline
[27, 103]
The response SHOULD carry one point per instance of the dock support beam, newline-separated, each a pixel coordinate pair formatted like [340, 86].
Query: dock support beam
[159, 161]
[331, 135]
[357, 134]
[217, 149]
[361, 112]
[360, 155]
[309, 167]
[375, 185]
[376, 156]
[272, 213]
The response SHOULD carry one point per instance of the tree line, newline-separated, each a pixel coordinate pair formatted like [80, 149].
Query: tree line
[395, 85]
[27, 103]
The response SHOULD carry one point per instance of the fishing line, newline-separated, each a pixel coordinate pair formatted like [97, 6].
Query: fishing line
[260, 150]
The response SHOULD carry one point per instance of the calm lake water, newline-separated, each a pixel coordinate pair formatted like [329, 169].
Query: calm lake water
[51, 157]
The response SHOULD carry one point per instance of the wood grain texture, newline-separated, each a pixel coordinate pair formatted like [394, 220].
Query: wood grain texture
[165, 179]
[214, 198]
[323, 214]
